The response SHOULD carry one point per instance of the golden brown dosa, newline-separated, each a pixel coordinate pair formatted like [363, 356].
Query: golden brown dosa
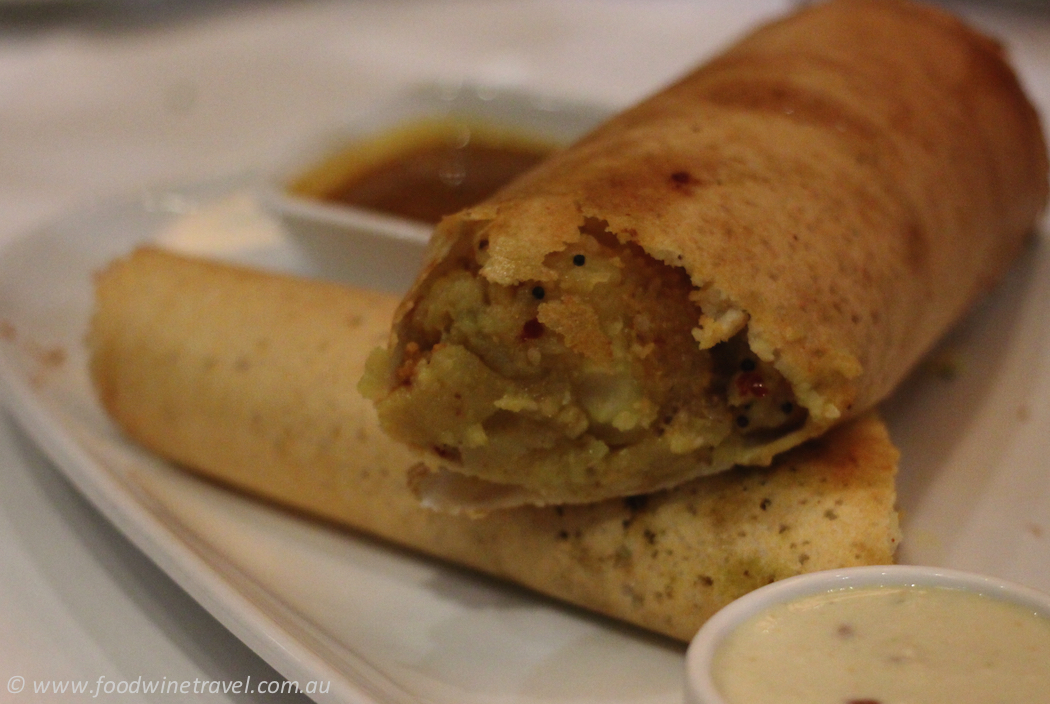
[249, 378]
[823, 200]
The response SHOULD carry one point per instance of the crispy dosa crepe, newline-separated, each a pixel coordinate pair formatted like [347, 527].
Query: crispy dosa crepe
[249, 378]
[760, 251]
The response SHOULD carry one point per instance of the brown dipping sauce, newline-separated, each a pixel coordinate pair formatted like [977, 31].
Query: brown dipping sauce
[426, 171]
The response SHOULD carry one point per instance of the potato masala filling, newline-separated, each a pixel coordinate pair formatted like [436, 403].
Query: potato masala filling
[567, 387]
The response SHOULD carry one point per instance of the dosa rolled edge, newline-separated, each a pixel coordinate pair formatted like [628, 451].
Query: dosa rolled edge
[756, 253]
[249, 378]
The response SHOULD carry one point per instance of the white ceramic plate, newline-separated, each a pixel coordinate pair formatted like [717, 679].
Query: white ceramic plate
[380, 625]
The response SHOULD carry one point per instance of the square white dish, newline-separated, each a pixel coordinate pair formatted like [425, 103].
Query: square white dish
[323, 228]
[382, 625]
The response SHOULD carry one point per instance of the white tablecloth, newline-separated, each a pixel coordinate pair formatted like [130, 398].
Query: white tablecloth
[97, 102]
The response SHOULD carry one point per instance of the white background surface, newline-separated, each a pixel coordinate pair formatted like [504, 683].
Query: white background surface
[97, 102]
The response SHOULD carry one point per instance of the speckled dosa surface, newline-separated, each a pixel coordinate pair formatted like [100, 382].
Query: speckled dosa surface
[249, 378]
[843, 183]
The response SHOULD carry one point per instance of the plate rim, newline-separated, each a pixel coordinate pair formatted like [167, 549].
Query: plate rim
[159, 542]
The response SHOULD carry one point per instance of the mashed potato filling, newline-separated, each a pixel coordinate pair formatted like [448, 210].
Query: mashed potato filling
[568, 386]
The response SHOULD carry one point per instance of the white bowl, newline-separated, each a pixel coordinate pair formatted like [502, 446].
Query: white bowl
[333, 236]
[700, 684]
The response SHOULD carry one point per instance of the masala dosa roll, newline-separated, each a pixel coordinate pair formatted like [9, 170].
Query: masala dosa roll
[758, 252]
[248, 378]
